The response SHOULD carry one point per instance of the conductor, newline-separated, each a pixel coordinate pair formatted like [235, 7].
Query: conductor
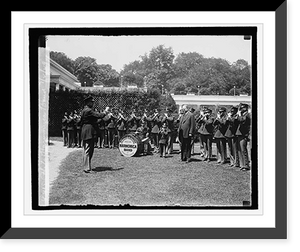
[89, 123]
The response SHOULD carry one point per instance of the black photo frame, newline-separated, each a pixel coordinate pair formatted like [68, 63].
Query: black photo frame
[278, 232]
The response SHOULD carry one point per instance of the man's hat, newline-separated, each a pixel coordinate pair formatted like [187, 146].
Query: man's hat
[244, 105]
[234, 109]
[222, 109]
[89, 99]
[207, 110]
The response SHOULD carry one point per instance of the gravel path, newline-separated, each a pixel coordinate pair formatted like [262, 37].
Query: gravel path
[57, 153]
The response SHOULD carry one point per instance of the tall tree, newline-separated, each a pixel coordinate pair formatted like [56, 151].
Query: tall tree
[63, 60]
[108, 76]
[160, 62]
[86, 70]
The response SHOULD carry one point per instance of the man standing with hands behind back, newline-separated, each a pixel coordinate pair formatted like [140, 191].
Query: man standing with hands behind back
[186, 130]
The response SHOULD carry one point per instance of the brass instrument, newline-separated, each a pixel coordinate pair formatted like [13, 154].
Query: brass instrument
[164, 130]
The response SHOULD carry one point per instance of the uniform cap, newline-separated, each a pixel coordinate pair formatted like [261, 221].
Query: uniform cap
[89, 99]
[222, 109]
[243, 105]
[233, 109]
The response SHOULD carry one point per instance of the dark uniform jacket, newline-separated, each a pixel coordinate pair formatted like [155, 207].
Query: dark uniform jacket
[205, 125]
[133, 123]
[155, 124]
[244, 123]
[70, 124]
[163, 136]
[187, 125]
[170, 122]
[121, 124]
[64, 123]
[101, 124]
[78, 123]
[89, 123]
[220, 127]
[111, 122]
[232, 124]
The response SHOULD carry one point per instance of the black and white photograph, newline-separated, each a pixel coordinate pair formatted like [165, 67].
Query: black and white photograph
[149, 125]
[148, 121]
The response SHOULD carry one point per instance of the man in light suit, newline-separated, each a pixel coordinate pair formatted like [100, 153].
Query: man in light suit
[186, 131]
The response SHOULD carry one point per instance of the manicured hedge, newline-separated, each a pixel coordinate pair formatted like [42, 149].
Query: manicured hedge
[62, 101]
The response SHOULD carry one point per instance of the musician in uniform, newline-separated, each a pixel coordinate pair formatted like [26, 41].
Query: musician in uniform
[101, 132]
[155, 125]
[163, 141]
[192, 110]
[205, 122]
[176, 127]
[186, 131]
[70, 130]
[169, 119]
[111, 120]
[243, 134]
[78, 129]
[88, 121]
[121, 125]
[220, 128]
[232, 123]
[133, 122]
[64, 129]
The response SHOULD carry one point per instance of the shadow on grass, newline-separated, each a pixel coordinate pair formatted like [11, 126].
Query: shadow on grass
[106, 168]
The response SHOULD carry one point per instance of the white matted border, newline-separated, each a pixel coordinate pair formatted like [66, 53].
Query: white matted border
[266, 101]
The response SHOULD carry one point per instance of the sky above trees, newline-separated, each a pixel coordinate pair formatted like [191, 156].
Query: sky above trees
[161, 67]
[119, 50]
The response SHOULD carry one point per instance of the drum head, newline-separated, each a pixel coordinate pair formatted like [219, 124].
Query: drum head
[128, 145]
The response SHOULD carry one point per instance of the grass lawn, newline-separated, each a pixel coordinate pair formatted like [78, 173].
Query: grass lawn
[148, 181]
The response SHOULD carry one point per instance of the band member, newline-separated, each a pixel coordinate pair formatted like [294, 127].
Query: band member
[70, 130]
[220, 127]
[205, 122]
[192, 110]
[111, 120]
[101, 132]
[64, 129]
[176, 127]
[96, 132]
[121, 125]
[243, 133]
[155, 125]
[143, 132]
[78, 129]
[133, 122]
[169, 119]
[186, 131]
[232, 124]
[163, 141]
[88, 122]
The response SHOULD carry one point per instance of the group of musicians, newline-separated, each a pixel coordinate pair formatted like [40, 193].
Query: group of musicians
[110, 125]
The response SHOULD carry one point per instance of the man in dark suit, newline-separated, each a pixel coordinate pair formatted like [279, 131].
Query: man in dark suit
[186, 130]
[89, 125]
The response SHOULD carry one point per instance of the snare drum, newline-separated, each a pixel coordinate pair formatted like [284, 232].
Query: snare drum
[131, 145]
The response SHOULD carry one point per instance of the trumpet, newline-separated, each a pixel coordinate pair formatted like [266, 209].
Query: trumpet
[164, 130]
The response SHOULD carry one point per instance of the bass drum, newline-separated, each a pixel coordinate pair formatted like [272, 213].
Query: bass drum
[130, 145]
